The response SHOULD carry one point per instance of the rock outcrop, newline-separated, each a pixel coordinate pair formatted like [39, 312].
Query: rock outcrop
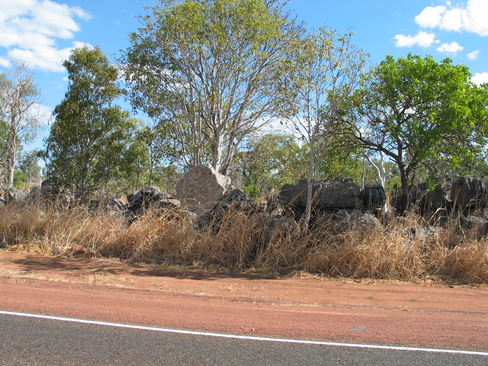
[328, 196]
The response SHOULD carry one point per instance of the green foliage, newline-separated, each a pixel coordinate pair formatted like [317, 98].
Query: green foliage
[20, 179]
[205, 71]
[269, 161]
[252, 191]
[92, 141]
[421, 114]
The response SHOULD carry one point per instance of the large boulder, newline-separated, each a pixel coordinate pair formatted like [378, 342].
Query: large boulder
[201, 188]
[49, 193]
[327, 195]
[234, 201]
[14, 195]
[107, 202]
[372, 197]
[416, 196]
[469, 192]
[151, 198]
[344, 220]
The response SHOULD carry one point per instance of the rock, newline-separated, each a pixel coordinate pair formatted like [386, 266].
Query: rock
[341, 221]
[109, 203]
[416, 196]
[294, 194]
[235, 201]
[151, 198]
[49, 193]
[474, 227]
[372, 197]
[14, 195]
[338, 193]
[329, 194]
[426, 235]
[201, 188]
[142, 198]
[469, 192]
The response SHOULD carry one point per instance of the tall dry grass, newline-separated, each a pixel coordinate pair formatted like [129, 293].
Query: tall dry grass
[404, 249]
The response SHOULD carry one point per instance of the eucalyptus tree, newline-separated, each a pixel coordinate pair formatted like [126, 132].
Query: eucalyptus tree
[421, 113]
[3, 151]
[323, 69]
[18, 99]
[91, 138]
[205, 70]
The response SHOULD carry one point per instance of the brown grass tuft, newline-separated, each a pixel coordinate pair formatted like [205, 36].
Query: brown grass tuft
[404, 249]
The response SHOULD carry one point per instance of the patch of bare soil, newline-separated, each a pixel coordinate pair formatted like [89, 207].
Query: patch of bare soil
[314, 308]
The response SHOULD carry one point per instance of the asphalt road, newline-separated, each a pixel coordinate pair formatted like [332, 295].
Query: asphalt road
[26, 340]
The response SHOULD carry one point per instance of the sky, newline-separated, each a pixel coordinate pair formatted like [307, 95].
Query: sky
[43, 33]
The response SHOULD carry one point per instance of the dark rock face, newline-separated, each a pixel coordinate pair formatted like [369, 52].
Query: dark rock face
[329, 193]
[327, 196]
[372, 197]
[233, 201]
[469, 192]
[415, 194]
[151, 198]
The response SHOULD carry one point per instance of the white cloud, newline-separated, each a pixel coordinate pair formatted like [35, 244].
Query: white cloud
[422, 39]
[480, 78]
[474, 55]
[29, 30]
[4, 62]
[430, 17]
[469, 16]
[452, 47]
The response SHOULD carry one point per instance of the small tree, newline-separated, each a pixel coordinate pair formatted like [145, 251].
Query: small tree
[419, 113]
[90, 136]
[322, 71]
[18, 97]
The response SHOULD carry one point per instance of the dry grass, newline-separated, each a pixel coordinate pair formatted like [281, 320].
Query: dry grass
[396, 251]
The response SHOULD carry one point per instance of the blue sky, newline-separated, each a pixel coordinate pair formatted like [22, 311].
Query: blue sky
[43, 32]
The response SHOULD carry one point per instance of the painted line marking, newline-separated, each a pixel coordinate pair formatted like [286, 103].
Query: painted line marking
[249, 338]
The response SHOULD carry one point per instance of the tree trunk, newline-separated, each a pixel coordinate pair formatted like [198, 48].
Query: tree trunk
[404, 190]
[310, 183]
[11, 161]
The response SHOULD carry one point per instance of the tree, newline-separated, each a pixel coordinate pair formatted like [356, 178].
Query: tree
[18, 97]
[90, 136]
[3, 152]
[420, 114]
[205, 71]
[323, 70]
[28, 164]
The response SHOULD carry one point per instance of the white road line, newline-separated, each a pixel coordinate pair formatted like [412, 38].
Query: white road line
[249, 338]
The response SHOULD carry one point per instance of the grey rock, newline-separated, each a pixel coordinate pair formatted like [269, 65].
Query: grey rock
[14, 195]
[201, 188]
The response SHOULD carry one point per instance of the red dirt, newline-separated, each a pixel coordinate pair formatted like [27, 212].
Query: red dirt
[373, 312]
